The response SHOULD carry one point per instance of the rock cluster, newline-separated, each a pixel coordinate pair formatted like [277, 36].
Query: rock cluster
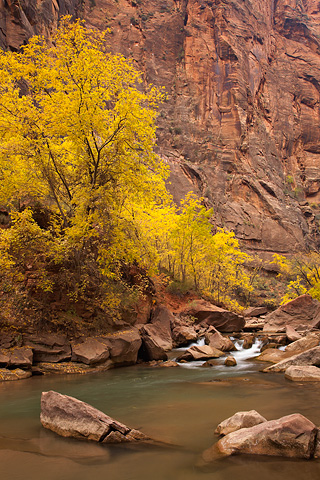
[291, 436]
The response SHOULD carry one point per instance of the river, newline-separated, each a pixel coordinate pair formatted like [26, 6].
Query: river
[181, 406]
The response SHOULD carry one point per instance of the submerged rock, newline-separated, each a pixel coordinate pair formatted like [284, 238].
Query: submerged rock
[70, 417]
[303, 374]
[17, 374]
[291, 436]
[239, 420]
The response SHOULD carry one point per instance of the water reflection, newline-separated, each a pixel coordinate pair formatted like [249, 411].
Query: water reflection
[175, 405]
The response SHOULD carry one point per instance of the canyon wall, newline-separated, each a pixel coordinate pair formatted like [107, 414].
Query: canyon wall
[241, 125]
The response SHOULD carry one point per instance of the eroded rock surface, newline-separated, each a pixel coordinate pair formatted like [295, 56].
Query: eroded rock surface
[303, 311]
[241, 124]
[70, 417]
[291, 436]
[303, 374]
[239, 420]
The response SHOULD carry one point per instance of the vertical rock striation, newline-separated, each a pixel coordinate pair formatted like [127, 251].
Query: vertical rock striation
[241, 123]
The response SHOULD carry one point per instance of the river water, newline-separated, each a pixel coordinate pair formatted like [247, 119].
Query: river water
[181, 406]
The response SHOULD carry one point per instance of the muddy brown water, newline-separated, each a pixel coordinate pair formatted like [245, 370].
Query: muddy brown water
[181, 406]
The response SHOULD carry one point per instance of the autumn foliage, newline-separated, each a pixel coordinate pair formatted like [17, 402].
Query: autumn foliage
[77, 137]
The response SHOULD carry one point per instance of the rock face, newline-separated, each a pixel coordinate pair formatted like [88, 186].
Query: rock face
[241, 124]
[156, 336]
[70, 417]
[303, 311]
[49, 348]
[239, 420]
[20, 19]
[291, 436]
[303, 374]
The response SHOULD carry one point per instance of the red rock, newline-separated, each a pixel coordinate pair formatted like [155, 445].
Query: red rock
[70, 417]
[292, 334]
[292, 436]
[230, 361]
[198, 352]
[123, 346]
[49, 348]
[310, 357]
[302, 311]
[222, 320]
[214, 339]
[239, 420]
[91, 351]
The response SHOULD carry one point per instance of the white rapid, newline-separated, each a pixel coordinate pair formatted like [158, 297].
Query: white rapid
[242, 356]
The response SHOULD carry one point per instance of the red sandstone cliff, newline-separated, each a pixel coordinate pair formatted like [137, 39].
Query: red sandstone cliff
[242, 122]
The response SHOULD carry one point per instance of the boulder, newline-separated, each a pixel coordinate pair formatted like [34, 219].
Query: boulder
[91, 351]
[303, 374]
[123, 346]
[292, 334]
[21, 357]
[156, 336]
[161, 320]
[230, 361]
[303, 344]
[303, 311]
[272, 355]
[239, 420]
[248, 341]
[310, 357]
[198, 352]
[255, 311]
[253, 324]
[70, 417]
[292, 436]
[210, 363]
[222, 320]
[183, 335]
[17, 374]
[49, 348]
[214, 339]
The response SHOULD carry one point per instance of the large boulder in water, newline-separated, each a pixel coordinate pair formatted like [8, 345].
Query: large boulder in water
[303, 374]
[239, 420]
[291, 436]
[156, 336]
[214, 339]
[303, 311]
[222, 320]
[198, 352]
[303, 344]
[70, 417]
